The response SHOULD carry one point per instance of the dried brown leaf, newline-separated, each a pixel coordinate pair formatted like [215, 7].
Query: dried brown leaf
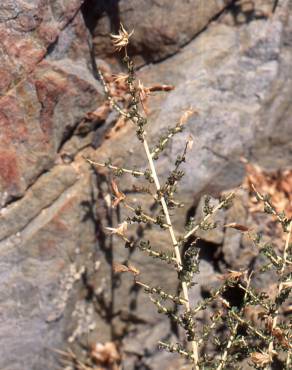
[236, 226]
[118, 268]
[279, 334]
[190, 142]
[143, 95]
[278, 185]
[233, 275]
[186, 115]
[260, 358]
[118, 194]
[158, 87]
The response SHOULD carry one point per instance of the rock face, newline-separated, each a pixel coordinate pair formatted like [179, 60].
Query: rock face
[229, 76]
[27, 29]
[161, 27]
[236, 75]
[49, 239]
[46, 232]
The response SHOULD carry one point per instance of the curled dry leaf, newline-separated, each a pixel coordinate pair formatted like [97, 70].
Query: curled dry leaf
[269, 323]
[278, 185]
[118, 194]
[279, 334]
[186, 115]
[158, 87]
[190, 142]
[236, 226]
[144, 92]
[261, 358]
[119, 268]
[233, 275]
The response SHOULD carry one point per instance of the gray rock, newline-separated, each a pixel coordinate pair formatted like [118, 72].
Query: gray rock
[231, 77]
[41, 268]
[47, 235]
[161, 27]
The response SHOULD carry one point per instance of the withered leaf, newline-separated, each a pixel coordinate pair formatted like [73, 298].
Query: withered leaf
[118, 267]
[234, 225]
[118, 194]
[260, 358]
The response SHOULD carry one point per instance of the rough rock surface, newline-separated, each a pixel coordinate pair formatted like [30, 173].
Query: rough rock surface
[40, 267]
[47, 233]
[27, 29]
[161, 27]
[53, 208]
[237, 81]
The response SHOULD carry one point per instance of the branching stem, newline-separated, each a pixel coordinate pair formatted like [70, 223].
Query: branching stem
[206, 218]
[173, 239]
[281, 285]
[132, 172]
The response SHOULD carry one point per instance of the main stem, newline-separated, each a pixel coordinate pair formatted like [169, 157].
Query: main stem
[173, 239]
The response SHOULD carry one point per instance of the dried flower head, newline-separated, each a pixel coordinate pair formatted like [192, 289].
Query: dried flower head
[122, 39]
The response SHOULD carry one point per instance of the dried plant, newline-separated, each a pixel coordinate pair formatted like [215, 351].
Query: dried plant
[261, 342]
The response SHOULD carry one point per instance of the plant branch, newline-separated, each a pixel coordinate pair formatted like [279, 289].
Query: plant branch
[281, 284]
[206, 218]
[173, 238]
[132, 172]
